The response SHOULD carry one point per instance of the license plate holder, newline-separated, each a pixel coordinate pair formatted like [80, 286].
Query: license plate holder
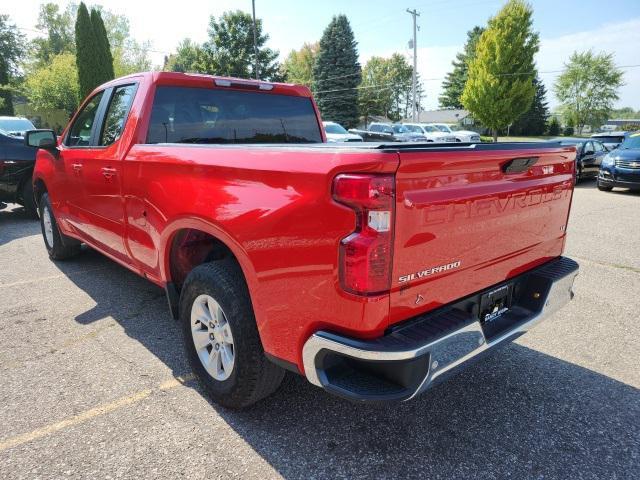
[495, 303]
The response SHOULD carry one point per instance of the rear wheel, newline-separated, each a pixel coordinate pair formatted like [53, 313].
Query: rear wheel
[59, 246]
[221, 338]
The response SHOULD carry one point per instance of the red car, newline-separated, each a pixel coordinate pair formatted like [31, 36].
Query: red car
[372, 269]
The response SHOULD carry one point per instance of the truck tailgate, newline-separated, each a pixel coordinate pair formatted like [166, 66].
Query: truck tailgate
[465, 221]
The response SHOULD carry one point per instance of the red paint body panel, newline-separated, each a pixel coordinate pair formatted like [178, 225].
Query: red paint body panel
[272, 206]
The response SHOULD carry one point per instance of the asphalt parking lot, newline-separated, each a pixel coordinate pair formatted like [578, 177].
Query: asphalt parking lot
[93, 382]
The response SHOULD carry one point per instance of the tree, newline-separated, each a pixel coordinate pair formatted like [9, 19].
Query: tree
[336, 73]
[229, 50]
[54, 86]
[534, 120]
[104, 49]
[189, 57]
[587, 88]
[500, 84]
[86, 52]
[385, 88]
[93, 57]
[11, 52]
[59, 37]
[554, 127]
[453, 84]
[298, 66]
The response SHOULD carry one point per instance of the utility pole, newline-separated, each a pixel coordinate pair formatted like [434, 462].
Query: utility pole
[255, 38]
[414, 13]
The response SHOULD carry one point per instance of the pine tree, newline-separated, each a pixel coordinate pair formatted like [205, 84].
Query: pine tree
[105, 59]
[534, 121]
[453, 84]
[87, 52]
[500, 85]
[336, 73]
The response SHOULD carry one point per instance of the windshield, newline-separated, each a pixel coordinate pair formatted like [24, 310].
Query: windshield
[414, 128]
[334, 128]
[443, 128]
[16, 124]
[207, 115]
[399, 129]
[430, 129]
[631, 142]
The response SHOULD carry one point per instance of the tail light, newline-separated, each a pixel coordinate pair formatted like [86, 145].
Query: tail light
[365, 255]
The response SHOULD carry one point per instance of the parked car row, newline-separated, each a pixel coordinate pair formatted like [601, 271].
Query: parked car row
[400, 132]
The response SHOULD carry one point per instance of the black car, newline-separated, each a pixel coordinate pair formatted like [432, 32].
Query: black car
[16, 169]
[621, 167]
[589, 155]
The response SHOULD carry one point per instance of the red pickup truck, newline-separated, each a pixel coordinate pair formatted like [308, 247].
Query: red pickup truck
[374, 270]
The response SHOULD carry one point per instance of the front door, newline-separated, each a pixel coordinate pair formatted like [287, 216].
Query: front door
[102, 202]
[77, 147]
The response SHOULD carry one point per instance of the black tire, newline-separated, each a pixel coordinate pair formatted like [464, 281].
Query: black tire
[602, 188]
[253, 376]
[28, 202]
[60, 247]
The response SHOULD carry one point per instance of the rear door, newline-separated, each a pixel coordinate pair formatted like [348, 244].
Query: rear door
[465, 221]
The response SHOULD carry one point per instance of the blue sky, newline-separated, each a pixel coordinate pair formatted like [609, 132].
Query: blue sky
[384, 27]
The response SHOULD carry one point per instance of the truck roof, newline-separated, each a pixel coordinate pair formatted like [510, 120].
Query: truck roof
[202, 80]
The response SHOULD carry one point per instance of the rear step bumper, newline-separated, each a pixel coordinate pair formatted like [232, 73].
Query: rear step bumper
[413, 356]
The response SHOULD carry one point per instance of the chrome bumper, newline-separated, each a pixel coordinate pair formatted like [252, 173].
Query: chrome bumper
[409, 360]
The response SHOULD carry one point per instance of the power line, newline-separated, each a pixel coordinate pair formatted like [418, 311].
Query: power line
[442, 78]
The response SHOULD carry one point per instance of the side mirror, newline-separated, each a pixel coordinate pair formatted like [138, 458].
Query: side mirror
[45, 139]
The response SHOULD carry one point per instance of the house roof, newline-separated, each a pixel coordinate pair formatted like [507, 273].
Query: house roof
[440, 116]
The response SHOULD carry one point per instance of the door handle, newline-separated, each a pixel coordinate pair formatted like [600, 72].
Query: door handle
[108, 172]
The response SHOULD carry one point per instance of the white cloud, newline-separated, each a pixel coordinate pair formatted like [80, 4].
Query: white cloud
[621, 38]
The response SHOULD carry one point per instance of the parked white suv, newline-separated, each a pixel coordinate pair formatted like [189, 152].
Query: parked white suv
[432, 133]
[466, 136]
[337, 133]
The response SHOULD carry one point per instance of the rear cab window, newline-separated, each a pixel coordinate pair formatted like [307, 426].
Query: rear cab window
[219, 116]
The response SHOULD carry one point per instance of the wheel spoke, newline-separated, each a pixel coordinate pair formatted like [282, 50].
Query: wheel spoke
[226, 357]
[200, 338]
[206, 314]
[226, 334]
[214, 360]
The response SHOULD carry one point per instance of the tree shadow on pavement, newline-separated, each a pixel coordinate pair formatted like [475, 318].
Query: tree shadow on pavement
[518, 413]
[16, 223]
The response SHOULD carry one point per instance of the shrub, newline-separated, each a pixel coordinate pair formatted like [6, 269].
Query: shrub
[568, 131]
[554, 127]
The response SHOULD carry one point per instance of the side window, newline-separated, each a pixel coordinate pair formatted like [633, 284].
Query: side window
[374, 128]
[588, 147]
[80, 132]
[117, 113]
[598, 147]
[387, 129]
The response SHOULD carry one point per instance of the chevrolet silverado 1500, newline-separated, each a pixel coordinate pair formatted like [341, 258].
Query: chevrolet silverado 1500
[374, 270]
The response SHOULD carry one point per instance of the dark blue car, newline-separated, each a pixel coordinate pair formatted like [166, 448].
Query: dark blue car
[621, 167]
[16, 168]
